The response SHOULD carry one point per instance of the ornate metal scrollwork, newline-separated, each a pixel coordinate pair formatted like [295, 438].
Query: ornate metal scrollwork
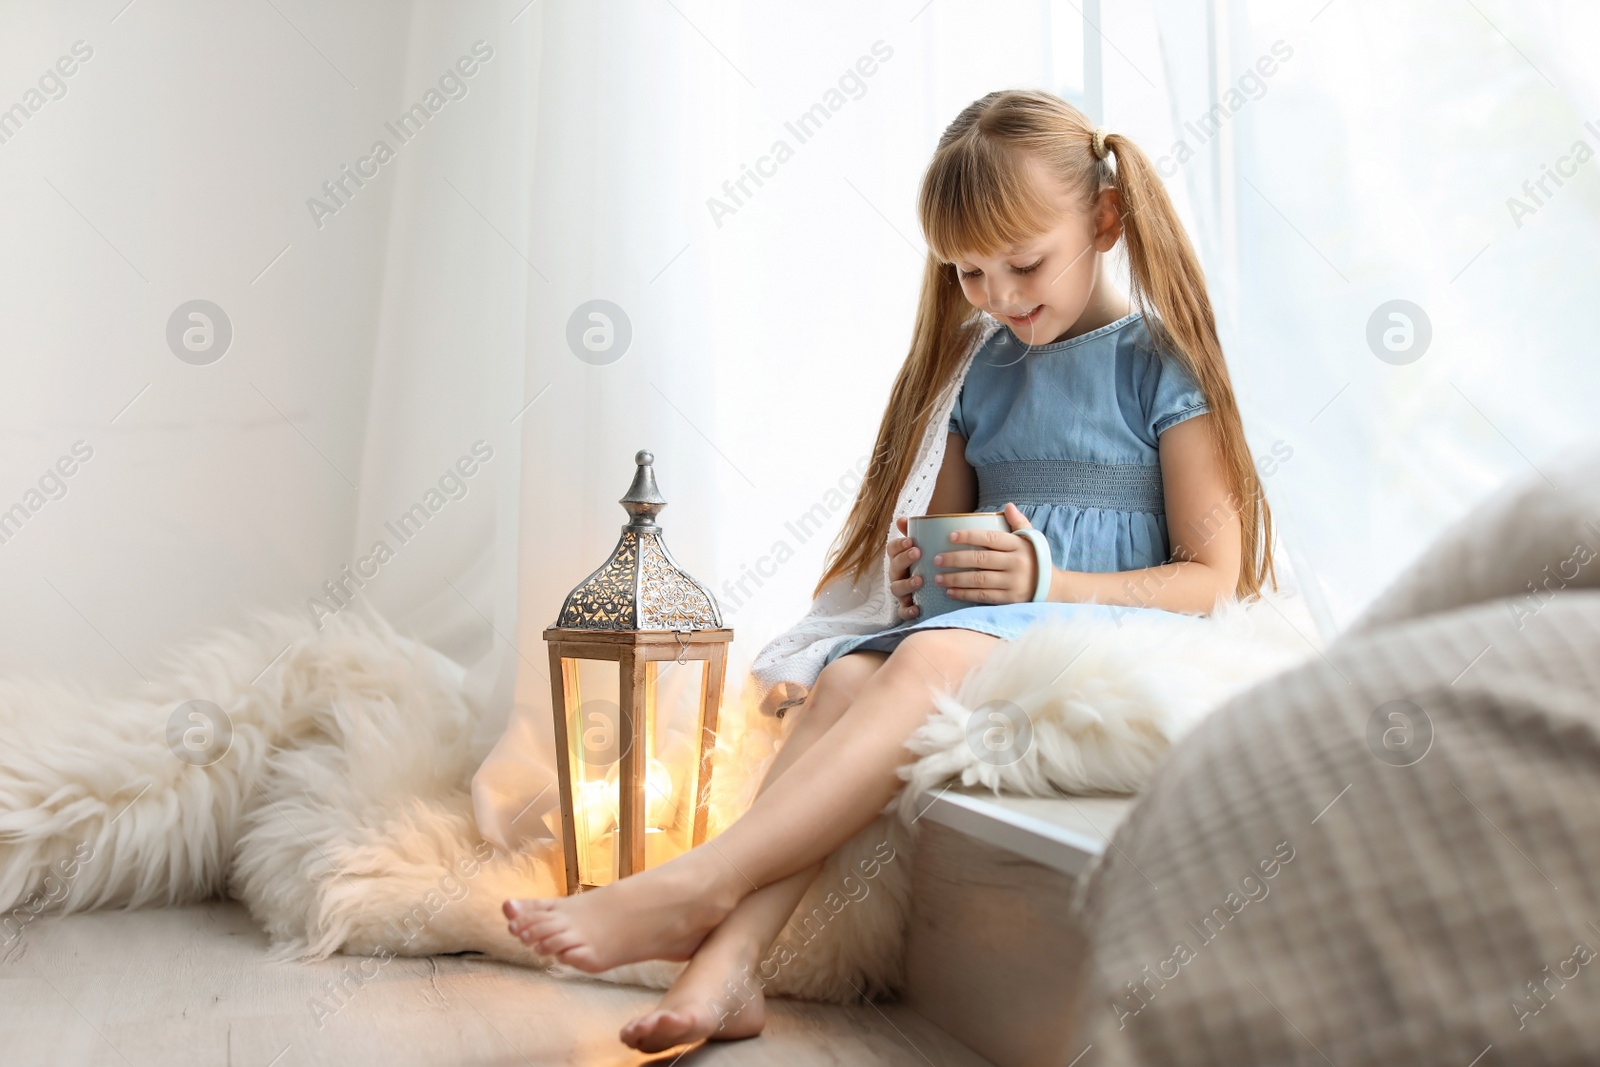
[640, 587]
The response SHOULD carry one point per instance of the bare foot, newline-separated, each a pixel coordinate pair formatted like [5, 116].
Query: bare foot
[659, 914]
[717, 997]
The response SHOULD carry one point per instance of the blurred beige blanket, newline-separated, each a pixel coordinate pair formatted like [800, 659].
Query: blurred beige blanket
[1391, 854]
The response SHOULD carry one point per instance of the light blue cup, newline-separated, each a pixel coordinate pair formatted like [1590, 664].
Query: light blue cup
[931, 533]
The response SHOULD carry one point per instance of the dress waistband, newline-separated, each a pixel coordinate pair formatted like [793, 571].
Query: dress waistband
[1112, 486]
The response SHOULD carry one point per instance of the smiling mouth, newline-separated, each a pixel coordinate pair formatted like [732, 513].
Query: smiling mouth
[1028, 319]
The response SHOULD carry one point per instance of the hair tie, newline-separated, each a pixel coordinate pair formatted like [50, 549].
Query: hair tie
[1099, 142]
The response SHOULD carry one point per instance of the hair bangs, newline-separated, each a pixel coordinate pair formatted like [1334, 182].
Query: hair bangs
[979, 197]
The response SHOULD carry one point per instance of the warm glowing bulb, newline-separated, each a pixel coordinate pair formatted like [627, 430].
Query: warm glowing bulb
[658, 784]
[597, 808]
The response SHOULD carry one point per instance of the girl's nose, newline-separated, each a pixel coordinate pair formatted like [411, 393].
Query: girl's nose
[1004, 297]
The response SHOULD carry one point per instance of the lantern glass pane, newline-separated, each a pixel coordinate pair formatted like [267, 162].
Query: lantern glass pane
[674, 699]
[594, 749]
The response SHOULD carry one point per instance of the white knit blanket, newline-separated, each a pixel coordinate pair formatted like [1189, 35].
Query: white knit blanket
[786, 669]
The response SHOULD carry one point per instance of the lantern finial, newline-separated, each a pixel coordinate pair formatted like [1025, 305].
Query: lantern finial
[641, 587]
[644, 501]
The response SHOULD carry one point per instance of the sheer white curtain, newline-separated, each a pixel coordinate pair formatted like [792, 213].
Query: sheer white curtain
[1365, 154]
[740, 180]
[443, 428]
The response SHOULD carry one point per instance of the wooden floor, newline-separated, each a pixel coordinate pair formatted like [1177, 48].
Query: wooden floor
[192, 986]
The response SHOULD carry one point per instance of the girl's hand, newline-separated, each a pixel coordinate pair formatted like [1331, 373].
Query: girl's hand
[902, 553]
[1005, 569]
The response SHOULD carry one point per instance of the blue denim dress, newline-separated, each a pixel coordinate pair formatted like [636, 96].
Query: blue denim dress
[1068, 432]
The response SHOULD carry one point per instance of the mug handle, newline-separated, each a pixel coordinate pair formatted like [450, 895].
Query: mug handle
[1041, 553]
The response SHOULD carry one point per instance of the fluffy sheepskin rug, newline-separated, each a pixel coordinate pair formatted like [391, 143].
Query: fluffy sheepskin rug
[1090, 706]
[319, 777]
[325, 781]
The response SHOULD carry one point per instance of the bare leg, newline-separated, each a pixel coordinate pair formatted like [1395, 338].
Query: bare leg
[708, 999]
[830, 792]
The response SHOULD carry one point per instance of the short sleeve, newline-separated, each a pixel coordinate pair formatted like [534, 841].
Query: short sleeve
[1175, 396]
[957, 423]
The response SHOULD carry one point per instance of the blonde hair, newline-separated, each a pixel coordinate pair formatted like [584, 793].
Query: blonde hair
[977, 196]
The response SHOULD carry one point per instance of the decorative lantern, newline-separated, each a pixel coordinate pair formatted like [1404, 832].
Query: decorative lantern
[637, 659]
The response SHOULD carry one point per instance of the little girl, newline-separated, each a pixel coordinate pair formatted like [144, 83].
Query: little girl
[1113, 432]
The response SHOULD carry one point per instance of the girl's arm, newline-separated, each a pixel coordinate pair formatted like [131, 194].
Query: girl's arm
[956, 488]
[1203, 527]
[1202, 524]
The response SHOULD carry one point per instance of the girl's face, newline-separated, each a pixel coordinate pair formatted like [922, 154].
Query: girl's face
[1045, 285]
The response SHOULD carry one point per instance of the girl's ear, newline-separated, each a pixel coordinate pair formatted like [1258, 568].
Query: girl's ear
[1107, 219]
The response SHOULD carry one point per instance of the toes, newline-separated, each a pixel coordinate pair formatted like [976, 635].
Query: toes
[582, 957]
[532, 931]
[527, 908]
[638, 1028]
[672, 1028]
[558, 943]
[540, 936]
[540, 925]
[527, 916]
[657, 1031]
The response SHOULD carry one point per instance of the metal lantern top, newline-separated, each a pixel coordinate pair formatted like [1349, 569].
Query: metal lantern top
[641, 587]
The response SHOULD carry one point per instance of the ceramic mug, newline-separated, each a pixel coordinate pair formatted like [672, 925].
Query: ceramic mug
[931, 533]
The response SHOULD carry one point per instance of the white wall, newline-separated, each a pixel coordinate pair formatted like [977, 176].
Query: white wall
[187, 146]
[368, 347]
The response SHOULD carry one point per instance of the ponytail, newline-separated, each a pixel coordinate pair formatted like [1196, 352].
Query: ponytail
[1169, 287]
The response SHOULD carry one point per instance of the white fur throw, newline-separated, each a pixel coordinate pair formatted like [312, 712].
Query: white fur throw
[341, 813]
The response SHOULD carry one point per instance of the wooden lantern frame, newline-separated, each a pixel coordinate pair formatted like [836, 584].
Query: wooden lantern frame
[638, 607]
[632, 650]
